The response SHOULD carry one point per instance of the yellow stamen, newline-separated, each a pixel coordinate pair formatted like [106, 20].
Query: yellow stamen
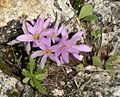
[36, 36]
[47, 51]
[54, 35]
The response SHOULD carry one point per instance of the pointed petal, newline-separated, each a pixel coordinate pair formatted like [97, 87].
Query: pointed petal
[60, 29]
[30, 28]
[43, 61]
[33, 22]
[72, 50]
[34, 44]
[54, 48]
[44, 42]
[47, 22]
[47, 32]
[61, 60]
[37, 53]
[83, 48]
[41, 45]
[39, 24]
[77, 36]
[65, 57]
[56, 27]
[25, 37]
[64, 33]
[79, 57]
[55, 59]
[24, 27]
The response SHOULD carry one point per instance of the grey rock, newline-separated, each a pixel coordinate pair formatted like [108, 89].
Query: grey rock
[109, 16]
[8, 85]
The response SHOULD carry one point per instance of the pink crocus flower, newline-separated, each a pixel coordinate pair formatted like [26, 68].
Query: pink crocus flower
[57, 31]
[35, 33]
[66, 46]
[46, 52]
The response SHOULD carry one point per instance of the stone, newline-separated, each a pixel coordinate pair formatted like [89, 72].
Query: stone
[109, 17]
[9, 85]
[12, 9]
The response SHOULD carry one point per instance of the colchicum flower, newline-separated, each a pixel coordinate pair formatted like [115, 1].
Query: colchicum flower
[53, 42]
[57, 31]
[35, 33]
[66, 46]
[46, 51]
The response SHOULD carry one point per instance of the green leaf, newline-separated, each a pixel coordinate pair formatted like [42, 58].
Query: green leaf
[40, 76]
[93, 33]
[31, 65]
[25, 80]
[31, 94]
[112, 58]
[97, 61]
[110, 69]
[86, 10]
[41, 89]
[32, 83]
[26, 73]
[91, 18]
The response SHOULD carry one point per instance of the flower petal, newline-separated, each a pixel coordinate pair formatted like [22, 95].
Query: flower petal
[39, 24]
[30, 28]
[61, 60]
[24, 27]
[65, 57]
[72, 50]
[55, 59]
[47, 22]
[77, 36]
[54, 48]
[83, 48]
[61, 29]
[79, 57]
[37, 53]
[56, 27]
[47, 32]
[34, 44]
[64, 33]
[25, 37]
[55, 40]
[41, 45]
[43, 61]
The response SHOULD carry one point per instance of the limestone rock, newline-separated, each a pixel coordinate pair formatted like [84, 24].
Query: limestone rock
[9, 85]
[12, 9]
[109, 16]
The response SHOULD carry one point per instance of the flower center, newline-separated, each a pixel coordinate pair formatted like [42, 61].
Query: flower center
[37, 36]
[54, 35]
[62, 47]
[47, 51]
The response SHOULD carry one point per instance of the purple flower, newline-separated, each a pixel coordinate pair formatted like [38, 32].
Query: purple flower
[56, 31]
[25, 30]
[46, 51]
[66, 46]
[35, 33]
